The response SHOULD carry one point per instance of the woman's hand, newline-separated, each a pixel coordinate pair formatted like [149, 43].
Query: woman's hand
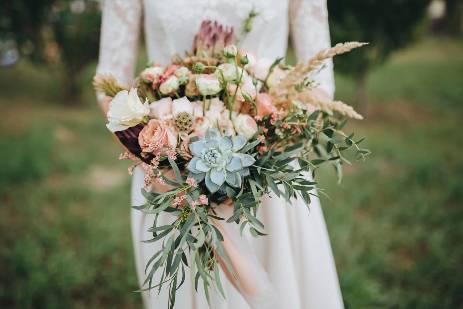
[105, 104]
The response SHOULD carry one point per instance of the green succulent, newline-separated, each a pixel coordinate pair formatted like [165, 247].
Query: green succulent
[217, 160]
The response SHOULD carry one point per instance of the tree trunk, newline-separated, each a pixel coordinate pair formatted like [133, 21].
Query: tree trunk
[362, 92]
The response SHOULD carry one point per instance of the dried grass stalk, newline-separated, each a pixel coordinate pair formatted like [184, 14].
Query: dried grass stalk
[107, 84]
[329, 107]
[300, 71]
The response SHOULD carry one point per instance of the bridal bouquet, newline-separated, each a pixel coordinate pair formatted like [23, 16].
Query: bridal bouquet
[219, 125]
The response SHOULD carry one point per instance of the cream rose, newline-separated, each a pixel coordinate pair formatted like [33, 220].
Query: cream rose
[208, 84]
[161, 109]
[126, 110]
[245, 125]
[170, 85]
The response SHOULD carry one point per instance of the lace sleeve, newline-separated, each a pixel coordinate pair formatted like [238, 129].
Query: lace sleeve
[120, 30]
[310, 34]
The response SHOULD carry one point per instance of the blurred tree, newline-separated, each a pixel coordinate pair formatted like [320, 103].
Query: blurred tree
[76, 29]
[57, 32]
[453, 19]
[22, 22]
[387, 25]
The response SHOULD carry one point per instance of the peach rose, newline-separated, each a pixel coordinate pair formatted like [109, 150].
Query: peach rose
[265, 105]
[156, 137]
[245, 125]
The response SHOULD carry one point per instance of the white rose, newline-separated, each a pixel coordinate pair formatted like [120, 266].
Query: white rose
[208, 84]
[161, 109]
[182, 105]
[244, 125]
[170, 85]
[152, 73]
[126, 110]
[229, 72]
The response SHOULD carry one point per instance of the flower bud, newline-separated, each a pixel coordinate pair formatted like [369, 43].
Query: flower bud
[244, 60]
[198, 67]
[230, 51]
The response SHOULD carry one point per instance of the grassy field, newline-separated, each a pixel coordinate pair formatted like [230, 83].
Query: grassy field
[395, 221]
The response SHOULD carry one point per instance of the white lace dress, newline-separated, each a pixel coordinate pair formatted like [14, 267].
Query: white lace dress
[296, 255]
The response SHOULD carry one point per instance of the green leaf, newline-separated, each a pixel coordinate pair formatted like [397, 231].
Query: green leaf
[176, 263]
[250, 146]
[272, 185]
[200, 238]
[218, 283]
[157, 237]
[154, 229]
[178, 176]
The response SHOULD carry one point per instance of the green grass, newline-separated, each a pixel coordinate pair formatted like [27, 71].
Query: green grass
[395, 221]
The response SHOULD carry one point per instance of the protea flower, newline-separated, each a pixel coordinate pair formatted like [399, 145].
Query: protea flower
[217, 160]
[212, 38]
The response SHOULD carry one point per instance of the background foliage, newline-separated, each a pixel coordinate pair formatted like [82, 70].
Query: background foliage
[395, 221]
[388, 25]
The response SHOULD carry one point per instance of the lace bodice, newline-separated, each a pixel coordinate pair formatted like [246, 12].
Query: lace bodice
[169, 28]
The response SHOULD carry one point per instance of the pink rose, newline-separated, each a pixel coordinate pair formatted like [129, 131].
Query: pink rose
[151, 74]
[157, 137]
[170, 70]
[265, 105]
[261, 68]
[161, 109]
